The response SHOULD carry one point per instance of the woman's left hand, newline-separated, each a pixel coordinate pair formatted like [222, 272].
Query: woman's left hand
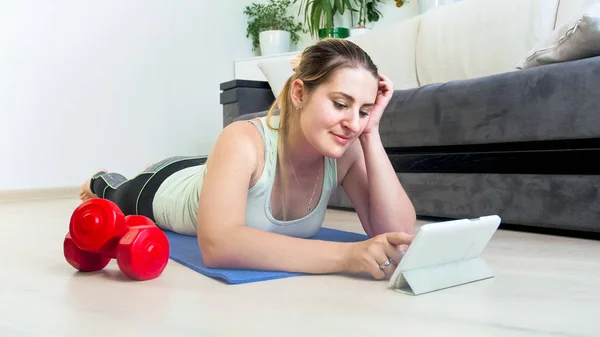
[384, 94]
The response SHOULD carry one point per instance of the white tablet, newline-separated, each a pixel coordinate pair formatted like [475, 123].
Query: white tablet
[446, 249]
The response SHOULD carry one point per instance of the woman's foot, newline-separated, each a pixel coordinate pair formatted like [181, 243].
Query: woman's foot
[86, 192]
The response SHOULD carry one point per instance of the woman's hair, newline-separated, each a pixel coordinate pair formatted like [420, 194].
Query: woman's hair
[317, 64]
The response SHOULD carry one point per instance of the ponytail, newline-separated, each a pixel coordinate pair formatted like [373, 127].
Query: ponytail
[282, 106]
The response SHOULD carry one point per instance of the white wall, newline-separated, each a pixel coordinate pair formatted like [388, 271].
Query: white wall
[114, 84]
[427, 5]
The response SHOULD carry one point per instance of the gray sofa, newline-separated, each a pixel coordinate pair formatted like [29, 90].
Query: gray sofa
[520, 144]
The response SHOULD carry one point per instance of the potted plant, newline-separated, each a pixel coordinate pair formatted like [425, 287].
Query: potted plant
[368, 11]
[271, 29]
[319, 14]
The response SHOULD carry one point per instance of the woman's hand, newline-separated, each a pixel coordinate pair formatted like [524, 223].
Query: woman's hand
[367, 256]
[384, 94]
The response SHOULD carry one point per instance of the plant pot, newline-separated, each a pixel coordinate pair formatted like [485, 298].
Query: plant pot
[336, 32]
[359, 31]
[274, 42]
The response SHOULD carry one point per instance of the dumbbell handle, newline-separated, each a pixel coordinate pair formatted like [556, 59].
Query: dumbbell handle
[109, 249]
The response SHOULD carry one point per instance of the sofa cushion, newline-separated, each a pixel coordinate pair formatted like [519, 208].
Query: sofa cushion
[577, 39]
[571, 9]
[393, 49]
[475, 38]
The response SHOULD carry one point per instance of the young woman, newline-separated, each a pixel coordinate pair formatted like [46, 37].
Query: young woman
[265, 185]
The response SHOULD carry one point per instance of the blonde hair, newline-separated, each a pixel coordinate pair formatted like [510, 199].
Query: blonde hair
[314, 66]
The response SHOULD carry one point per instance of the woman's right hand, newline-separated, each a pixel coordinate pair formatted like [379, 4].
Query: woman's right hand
[367, 256]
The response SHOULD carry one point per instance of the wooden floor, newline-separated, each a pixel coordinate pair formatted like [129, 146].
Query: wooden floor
[544, 286]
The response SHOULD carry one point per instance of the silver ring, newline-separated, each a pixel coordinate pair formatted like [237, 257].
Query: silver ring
[386, 264]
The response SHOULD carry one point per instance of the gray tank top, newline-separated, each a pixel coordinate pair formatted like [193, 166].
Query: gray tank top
[176, 201]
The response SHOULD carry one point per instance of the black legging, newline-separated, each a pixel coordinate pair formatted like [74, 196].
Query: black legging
[135, 196]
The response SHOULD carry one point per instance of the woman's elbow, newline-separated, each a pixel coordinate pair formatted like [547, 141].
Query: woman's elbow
[218, 249]
[211, 248]
[213, 255]
[411, 226]
[214, 260]
[410, 221]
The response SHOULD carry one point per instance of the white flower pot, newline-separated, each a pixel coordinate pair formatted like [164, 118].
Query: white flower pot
[274, 42]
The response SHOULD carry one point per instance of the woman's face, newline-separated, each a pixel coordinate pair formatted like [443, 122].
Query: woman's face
[337, 111]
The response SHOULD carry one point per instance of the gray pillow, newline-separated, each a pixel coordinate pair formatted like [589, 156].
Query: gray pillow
[575, 40]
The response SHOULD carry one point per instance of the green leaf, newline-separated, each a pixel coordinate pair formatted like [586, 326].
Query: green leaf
[327, 10]
[307, 16]
[346, 3]
[339, 6]
[315, 21]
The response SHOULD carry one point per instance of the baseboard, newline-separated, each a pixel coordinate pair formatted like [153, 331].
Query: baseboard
[39, 194]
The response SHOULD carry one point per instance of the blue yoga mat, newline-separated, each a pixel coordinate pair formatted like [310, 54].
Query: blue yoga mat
[184, 249]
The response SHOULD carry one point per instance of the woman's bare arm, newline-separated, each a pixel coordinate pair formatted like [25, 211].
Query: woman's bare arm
[372, 185]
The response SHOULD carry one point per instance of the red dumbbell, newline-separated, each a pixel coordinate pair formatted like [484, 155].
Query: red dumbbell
[99, 232]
